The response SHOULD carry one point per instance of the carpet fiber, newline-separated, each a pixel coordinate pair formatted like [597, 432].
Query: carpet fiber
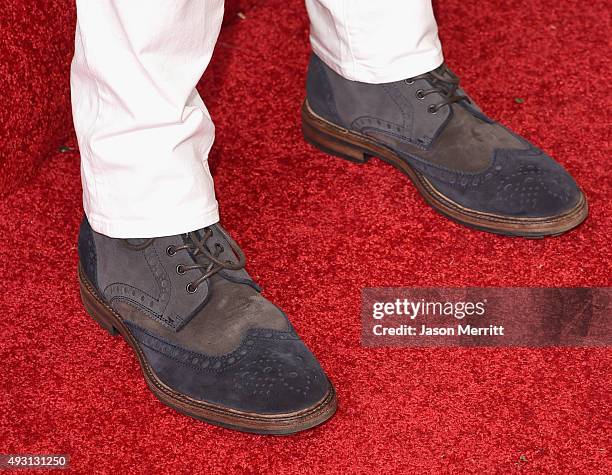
[316, 230]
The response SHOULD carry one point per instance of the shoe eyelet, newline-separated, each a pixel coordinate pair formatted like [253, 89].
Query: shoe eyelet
[419, 94]
[180, 270]
[432, 109]
[409, 81]
[219, 247]
[190, 288]
[171, 251]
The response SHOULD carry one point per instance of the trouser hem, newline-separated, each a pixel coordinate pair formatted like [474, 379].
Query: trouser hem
[408, 66]
[157, 226]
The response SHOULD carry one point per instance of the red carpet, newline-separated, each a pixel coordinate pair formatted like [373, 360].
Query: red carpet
[316, 230]
[35, 54]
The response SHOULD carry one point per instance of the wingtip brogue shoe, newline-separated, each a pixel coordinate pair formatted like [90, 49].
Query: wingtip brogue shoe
[209, 344]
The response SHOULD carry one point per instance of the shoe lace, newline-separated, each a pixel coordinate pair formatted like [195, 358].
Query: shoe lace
[199, 247]
[443, 82]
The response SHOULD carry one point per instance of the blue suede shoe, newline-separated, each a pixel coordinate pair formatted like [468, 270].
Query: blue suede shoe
[210, 346]
[466, 166]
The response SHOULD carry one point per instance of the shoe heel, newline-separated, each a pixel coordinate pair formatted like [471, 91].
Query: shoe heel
[328, 141]
[93, 307]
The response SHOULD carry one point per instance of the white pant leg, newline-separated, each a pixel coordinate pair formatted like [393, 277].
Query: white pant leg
[375, 41]
[143, 130]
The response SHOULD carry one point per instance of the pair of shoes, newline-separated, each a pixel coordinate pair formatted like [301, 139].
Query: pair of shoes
[210, 346]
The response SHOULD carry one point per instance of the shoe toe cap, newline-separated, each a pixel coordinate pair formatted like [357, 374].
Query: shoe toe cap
[533, 185]
[281, 377]
[518, 184]
[271, 372]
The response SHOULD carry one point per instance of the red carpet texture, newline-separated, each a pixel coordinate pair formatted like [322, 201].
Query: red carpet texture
[35, 53]
[316, 231]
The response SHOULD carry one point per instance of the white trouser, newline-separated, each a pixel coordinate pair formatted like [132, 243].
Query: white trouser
[144, 133]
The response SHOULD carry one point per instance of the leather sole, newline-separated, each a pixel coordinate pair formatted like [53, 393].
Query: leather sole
[359, 148]
[274, 424]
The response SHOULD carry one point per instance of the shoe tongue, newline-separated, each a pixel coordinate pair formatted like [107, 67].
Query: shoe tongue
[440, 70]
[441, 76]
[199, 257]
[216, 239]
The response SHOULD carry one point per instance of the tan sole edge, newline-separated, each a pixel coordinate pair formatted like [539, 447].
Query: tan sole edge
[358, 148]
[277, 424]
